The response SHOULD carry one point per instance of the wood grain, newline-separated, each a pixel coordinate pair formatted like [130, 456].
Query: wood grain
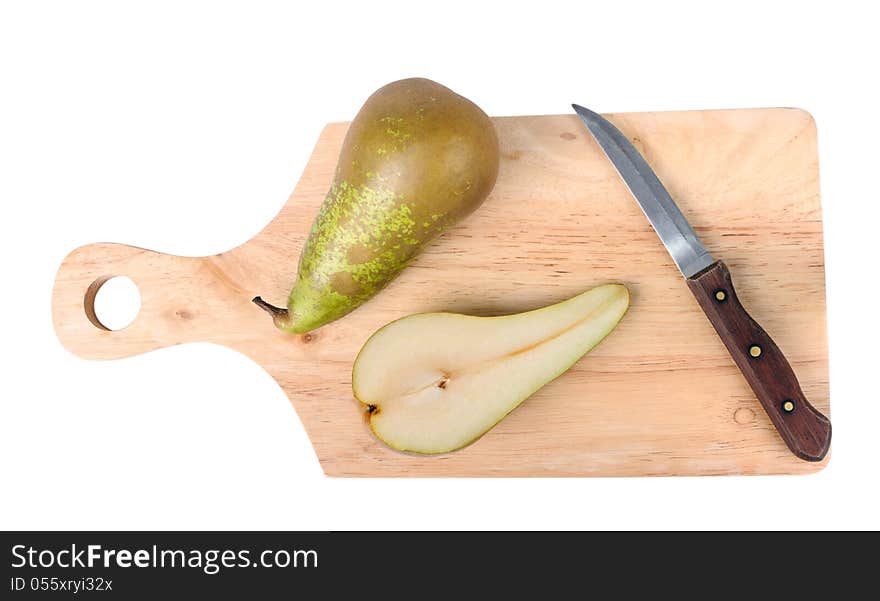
[660, 396]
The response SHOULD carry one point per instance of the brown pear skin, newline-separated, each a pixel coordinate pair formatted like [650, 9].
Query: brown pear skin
[416, 159]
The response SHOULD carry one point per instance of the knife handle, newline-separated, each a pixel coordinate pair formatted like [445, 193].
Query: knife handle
[804, 429]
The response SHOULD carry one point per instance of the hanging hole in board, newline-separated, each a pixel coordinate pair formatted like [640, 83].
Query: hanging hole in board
[112, 302]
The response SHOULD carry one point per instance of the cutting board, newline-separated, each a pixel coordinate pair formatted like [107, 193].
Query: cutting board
[660, 396]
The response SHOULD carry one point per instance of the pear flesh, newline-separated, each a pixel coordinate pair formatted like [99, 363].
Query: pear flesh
[435, 382]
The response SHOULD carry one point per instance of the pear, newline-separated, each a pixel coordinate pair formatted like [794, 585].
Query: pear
[435, 382]
[416, 159]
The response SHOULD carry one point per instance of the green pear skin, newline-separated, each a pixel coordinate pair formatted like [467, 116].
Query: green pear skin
[416, 159]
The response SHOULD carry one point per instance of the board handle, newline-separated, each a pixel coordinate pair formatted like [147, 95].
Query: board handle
[181, 300]
[803, 428]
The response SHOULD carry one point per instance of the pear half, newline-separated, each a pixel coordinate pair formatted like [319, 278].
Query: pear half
[435, 382]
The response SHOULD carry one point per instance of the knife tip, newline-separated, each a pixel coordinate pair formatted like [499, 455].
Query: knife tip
[583, 111]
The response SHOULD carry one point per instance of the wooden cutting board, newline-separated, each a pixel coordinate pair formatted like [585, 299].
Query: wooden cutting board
[660, 396]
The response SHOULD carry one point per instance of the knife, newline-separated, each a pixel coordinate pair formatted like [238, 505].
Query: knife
[804, 429]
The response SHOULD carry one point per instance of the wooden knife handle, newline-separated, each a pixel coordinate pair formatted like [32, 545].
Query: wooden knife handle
[804, 429]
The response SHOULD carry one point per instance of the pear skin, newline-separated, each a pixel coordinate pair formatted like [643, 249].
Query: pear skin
[416, 159]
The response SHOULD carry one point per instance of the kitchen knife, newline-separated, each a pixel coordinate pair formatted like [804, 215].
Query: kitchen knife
[804, 429]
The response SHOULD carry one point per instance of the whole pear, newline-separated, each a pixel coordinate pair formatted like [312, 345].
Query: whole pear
[416, 159]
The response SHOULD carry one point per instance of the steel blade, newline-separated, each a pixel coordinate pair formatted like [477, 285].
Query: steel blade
[675, 232]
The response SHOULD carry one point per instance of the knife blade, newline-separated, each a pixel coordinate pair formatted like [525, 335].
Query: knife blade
[805, 430]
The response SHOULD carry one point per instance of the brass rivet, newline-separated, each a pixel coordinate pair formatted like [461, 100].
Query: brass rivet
[720, 295]
[788, 406]
[755, 350]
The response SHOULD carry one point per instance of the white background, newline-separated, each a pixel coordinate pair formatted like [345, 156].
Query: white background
[183, 127]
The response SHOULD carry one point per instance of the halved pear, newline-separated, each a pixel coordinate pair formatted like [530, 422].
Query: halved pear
[435, 382]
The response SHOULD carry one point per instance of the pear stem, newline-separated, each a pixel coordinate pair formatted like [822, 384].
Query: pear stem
[280, 316]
